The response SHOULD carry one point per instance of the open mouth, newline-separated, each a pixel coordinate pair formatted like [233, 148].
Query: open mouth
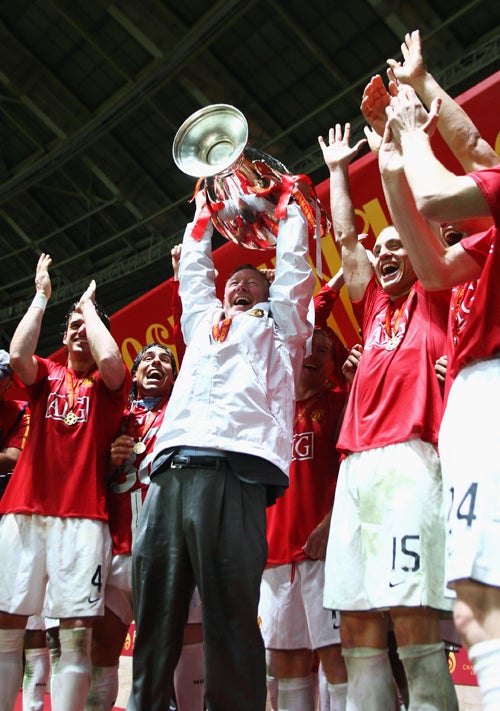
[155, 375]
[242, 301]
[388, 269]
[452, 235]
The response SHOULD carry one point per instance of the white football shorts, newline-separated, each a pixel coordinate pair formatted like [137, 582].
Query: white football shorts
[291, 611]
[387, 536]
[53, 566]
[469, 444]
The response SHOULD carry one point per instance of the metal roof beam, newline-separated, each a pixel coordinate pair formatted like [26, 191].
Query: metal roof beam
[127, 100]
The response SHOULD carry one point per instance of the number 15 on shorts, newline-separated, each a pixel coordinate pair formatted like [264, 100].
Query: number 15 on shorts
[406, 554]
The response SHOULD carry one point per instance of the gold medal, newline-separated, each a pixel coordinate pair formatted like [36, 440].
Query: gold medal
[70, 418]
[139, 447]
[392, 343]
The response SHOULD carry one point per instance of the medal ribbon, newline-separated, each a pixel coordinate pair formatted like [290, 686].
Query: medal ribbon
[390, 329]
[462, 298]
[149, 421]
[208, 210]
[221, 329]
[72, 390]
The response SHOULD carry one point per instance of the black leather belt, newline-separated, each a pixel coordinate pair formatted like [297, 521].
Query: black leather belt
[198, 461]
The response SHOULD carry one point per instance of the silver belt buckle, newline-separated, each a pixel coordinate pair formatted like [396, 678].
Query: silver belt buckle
[182, 461]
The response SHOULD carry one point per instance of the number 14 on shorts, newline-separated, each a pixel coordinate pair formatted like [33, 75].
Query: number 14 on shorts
[463, 508]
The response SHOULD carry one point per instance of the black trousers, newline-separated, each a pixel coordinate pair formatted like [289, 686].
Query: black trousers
[201, 527]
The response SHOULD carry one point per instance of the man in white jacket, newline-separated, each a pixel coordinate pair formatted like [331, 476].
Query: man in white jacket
[224, 450]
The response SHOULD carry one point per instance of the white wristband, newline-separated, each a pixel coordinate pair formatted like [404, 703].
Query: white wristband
[39, 301]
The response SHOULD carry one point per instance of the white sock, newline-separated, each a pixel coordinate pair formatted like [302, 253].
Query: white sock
[369, 680]
[71, 681]
[36, 675]
[485, 657]
[323, 702]
[189, 677]
[338, 696]
[103, 689]
[296, 694]
[54, 655]
[272, 692]
[11, 666]
[430, 686]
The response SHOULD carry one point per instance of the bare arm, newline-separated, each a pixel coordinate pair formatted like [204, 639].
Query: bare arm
[337, 281]
[25, 339]
[338, 154]
[436, 265]
[440, 195]
[102, 345]
[455, 125]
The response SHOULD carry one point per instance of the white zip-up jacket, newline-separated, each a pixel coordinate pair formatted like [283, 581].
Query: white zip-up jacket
[239, 395]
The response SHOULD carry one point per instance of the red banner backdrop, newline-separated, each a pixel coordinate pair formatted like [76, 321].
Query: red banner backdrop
[150, 318]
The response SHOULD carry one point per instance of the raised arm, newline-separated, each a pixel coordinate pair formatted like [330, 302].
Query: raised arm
[338, 154]
[102, 345]
[197, 273]
[440, 195]
[291, 291]
[436, 265]
[25, 339]
[455, 125]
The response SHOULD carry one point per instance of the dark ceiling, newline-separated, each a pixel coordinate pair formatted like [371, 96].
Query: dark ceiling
[92, 93]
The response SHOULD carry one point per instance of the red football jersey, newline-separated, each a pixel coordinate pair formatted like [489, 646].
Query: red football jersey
[62, 468]
[313, 477]
[395, 395]
[129, 484]
[474, 328]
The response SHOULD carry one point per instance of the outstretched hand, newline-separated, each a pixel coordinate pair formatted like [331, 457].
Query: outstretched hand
[412, 68]
[407, 114]
[375, 100]
[88, 295]
[338, 152]
[42, 278]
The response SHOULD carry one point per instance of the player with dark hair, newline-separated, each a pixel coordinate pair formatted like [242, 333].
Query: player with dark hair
[54, 533]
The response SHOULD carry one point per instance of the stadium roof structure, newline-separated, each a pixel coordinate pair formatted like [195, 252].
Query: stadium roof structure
[92, 93]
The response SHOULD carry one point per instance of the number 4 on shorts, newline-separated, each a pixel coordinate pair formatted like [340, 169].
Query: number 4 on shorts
[465, 509]
[97, 578]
